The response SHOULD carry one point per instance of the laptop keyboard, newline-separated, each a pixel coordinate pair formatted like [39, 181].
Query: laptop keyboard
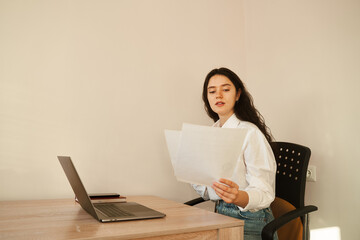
[111, 210]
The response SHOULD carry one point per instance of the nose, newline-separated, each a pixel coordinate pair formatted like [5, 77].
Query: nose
[219, 95]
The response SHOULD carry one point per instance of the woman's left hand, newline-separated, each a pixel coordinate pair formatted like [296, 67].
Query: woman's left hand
[229, 192]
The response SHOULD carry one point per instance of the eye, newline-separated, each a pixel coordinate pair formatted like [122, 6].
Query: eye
[211, 92]
[226, 90]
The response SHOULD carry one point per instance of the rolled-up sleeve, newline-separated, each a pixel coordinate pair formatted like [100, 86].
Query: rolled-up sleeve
[205, 192]
[260, 171]
[201, 190]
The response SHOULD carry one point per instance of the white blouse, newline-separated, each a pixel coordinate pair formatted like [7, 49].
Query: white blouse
[255, 169]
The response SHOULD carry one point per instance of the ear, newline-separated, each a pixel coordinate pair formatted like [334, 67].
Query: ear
[238, 94]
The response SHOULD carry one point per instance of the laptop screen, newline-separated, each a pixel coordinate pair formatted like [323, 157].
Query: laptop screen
[77, 185]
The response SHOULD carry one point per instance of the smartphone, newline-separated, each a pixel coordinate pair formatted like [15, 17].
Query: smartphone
[103, 195]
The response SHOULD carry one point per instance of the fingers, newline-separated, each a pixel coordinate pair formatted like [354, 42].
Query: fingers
[227, 190]
[226, 196]
[223, 189]
[229, 183]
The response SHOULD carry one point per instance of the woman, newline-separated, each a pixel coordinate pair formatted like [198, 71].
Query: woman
[251, 190]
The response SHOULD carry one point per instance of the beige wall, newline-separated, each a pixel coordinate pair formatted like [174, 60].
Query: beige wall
[101, 80]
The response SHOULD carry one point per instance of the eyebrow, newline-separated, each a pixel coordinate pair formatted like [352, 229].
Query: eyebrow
[223, 85]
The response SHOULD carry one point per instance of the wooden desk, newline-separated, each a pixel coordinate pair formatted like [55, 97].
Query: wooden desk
[65, 219]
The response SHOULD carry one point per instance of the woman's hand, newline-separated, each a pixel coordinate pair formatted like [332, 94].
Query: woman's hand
[229, 192]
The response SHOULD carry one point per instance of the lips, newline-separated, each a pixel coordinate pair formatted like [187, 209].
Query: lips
[219, 103]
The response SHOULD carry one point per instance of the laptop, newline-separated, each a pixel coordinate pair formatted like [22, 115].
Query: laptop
[104, 212]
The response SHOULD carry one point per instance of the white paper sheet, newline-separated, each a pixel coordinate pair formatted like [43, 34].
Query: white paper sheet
[173, 138]
[202, 155]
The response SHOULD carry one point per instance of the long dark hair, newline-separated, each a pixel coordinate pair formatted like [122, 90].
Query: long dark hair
[244, 108]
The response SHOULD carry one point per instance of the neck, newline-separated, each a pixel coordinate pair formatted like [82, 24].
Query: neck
[223, 119]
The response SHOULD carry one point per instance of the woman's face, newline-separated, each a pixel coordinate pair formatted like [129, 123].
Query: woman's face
[222, 95]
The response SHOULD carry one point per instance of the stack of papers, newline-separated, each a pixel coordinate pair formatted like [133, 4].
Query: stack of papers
[202, 154]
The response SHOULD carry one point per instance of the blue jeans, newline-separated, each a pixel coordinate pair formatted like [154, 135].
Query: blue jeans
[254, 221]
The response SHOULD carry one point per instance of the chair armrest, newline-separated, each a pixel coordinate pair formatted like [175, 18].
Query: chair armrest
[270, 228]
[195, 201]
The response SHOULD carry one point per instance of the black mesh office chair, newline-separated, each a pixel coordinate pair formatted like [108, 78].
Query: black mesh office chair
[291, 221]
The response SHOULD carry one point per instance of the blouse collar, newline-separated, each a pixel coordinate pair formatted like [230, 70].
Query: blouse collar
[232, 122]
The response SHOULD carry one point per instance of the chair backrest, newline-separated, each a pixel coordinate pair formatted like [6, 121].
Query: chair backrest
[292, 163]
